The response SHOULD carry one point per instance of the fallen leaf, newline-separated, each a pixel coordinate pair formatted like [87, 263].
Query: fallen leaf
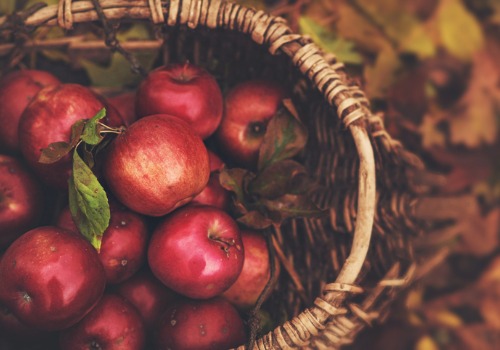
[426, 343]
[328, 41]
[382, 75]
[460, 32]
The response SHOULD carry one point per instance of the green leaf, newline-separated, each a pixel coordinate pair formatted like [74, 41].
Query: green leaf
[91, 132]
[461, 33]
[328, 41]
[88, 202]
[286, 176]
[235, 180]
[285, 137]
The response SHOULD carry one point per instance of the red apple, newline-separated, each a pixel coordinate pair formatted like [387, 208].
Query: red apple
[183, 90]
[255, 273]
[216, 163]
[248, 107]
[113, 324]
[51, 278]
[21, 200]
[201, 325]
[213, 194]
[17, 89]
[156, 165]
[148, 295]
[124, 103]
[197, 251]
[49, 117]
[123, 246]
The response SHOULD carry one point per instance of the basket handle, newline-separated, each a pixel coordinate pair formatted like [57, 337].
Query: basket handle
[328, 79]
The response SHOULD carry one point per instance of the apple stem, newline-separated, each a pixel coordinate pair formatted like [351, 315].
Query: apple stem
[109, 130]
[225, 244]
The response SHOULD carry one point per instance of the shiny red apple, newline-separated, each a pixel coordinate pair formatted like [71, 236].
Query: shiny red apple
[255, 273]
[113, 324]
[125, 105]
[157, 165]
[201, 325]
[123, 246]
[148, 295]
[184, 90]
[197, 251]
[49, 117]
[17, 89]
[51, 278]
[21, 200]
[248, 107]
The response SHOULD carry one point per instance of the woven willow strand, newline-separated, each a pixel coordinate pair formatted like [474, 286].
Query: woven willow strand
[349, 103]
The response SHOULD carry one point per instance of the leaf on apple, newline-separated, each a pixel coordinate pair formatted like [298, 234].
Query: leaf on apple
[88, 202]
[91, 131]
[285, 137]
[57, 150]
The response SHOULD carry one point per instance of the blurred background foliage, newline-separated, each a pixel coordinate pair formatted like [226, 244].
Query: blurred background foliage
[433, 68]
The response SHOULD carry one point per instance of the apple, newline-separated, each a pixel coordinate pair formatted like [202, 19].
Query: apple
[17, 89]
[21, 200]
[51, 278]
[216, 163]
[248, 107]
[113, 324]
[147, 294]
[123, 246]
[157, 165]
[183, 90]
[124, 103]
[49, 117]
[255, 273]
[213, 194]
[201, 325]
[197, 251]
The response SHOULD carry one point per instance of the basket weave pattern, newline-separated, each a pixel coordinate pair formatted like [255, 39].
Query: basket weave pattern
[361, 169]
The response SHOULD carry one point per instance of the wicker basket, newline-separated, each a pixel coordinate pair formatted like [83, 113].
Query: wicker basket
[342, 270]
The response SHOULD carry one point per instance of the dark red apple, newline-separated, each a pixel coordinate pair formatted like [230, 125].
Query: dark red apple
[123, 246]
[51, 278]
[17, 89]
[201, 325]
[49, 117]
[148, 295]
[255, 273]
[124, 103]
[197, 251]
[213, 194]
[113, 324]
[21, 200]
[157, 165]
[183, 90]
[248, 107]
[215, 162]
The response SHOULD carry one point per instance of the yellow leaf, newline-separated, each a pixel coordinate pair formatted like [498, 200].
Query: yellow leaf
[380, 77]
[447, 318]
[460, 32]
[426, 343]
[419, 42]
